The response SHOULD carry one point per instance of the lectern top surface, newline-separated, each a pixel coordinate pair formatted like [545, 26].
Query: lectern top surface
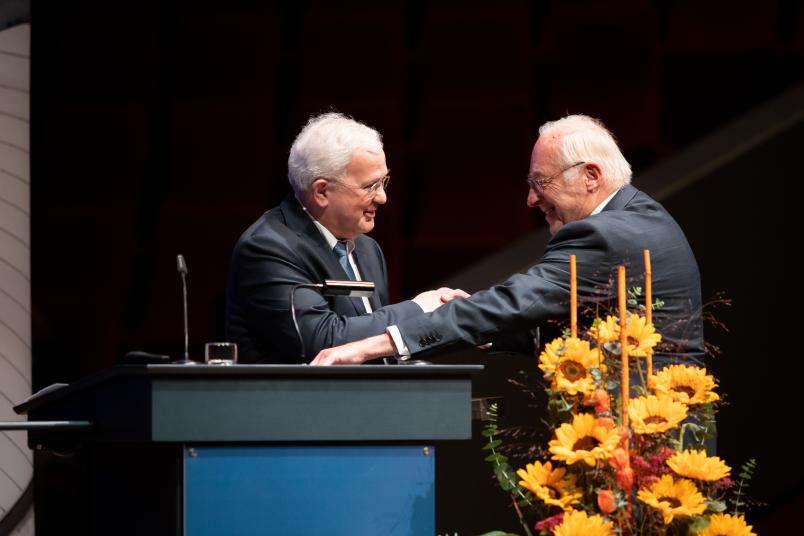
[236, 372]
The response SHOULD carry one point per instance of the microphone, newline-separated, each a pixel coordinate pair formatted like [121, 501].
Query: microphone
[330, 287]
[181, 267]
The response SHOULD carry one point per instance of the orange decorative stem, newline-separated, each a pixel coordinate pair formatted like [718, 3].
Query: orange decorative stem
[648, 312]
[573, 298]
[624, 387]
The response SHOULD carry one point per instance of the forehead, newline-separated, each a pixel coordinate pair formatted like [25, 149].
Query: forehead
[544, 155]
[365, 162]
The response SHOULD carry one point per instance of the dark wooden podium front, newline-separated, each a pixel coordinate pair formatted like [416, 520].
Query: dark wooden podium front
[247, 449]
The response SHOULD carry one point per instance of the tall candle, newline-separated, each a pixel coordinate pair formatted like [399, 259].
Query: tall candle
[573, 298]
[624, 387]
[648, 312]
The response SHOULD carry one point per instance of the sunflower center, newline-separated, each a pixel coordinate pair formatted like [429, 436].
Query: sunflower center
[586, 443]
[672, 501]
[655, 419]
[690, 392]
[633, 341]
[572, 370]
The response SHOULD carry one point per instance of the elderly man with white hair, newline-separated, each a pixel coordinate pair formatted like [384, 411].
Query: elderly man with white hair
[339, 178]
[580, 180]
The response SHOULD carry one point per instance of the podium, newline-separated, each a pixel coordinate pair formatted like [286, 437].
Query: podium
[246, 449]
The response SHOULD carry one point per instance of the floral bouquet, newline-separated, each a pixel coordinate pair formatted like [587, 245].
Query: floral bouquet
[617, 463]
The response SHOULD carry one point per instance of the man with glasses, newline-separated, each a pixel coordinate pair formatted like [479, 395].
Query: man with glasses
[339, 177]
[580, 180]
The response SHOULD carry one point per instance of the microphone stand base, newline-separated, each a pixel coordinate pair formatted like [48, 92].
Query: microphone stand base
[185, 362]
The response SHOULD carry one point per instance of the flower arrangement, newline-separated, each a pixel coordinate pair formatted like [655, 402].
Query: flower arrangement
[617, 463]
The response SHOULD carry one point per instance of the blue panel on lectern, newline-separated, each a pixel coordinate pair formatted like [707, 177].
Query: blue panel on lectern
[372, 490]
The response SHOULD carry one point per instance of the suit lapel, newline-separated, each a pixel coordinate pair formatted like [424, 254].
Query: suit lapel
[298, 219]
[370, 270]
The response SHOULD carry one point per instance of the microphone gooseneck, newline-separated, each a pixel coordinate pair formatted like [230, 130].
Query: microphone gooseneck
[181, 267]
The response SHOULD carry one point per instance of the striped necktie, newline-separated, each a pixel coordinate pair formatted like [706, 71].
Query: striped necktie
[343, 259]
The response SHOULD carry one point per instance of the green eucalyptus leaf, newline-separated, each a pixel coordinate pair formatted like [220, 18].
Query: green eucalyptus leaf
[699, 523]
[716, 506]
[492, 444]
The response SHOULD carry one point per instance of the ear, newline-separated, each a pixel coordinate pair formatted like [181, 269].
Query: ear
[592, 175]
[319, 192]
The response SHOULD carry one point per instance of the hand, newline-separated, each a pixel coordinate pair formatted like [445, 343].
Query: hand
[355, 353]
[433, 299]
[451, 294]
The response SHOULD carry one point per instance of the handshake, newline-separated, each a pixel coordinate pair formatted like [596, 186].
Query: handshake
[357, 352]
[433, 299]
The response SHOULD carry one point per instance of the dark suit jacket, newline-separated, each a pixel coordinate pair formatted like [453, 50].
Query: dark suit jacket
[630, 223]
[285, 248]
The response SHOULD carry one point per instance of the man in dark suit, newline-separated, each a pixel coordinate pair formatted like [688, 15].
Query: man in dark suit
[338, 174]
[580, 180]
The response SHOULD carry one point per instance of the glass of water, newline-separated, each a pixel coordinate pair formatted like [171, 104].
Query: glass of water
[220, 353]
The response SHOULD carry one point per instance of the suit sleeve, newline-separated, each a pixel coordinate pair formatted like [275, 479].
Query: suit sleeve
[264, 272]
[521, 303]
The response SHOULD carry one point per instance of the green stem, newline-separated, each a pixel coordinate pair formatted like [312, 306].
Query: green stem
[641, 374]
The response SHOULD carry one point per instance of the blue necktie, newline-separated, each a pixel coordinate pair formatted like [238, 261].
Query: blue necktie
[343, 258]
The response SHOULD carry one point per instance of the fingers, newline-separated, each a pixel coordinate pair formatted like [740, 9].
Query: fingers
[448, 294]
[321, 358]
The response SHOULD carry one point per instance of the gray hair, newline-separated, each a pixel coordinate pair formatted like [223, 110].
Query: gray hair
[586, 139]
[325, 147]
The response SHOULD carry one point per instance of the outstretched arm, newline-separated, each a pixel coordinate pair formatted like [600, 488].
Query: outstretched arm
[355, 353]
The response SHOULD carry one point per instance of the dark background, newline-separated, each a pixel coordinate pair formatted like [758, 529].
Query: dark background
[163, 127]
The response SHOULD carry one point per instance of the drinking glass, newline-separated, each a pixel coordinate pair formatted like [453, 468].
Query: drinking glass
[220, 353]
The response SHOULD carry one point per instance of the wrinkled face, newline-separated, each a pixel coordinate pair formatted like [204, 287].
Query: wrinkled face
[351, 209]
[561, 202]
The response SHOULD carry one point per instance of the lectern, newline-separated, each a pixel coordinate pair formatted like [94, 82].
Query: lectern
[246, 449]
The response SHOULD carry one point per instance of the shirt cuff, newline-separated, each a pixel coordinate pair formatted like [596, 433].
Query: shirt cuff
[401, 348]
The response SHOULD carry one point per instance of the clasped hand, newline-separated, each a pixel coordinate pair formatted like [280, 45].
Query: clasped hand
[433, 299]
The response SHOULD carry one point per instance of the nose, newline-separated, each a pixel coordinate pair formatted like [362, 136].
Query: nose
[533, 198]
[381, 196]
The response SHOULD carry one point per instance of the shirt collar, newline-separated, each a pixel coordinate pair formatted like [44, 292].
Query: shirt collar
[328, 236]
[600, 207]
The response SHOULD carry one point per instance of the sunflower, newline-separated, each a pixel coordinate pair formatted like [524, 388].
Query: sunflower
[697, 465]
[549, 484]
[583, 440]
[605, 330]
[690, 385]
[569, 363]
[578, 523]
[640, 335]
[673, 498]
[652, 414]
[727, 525]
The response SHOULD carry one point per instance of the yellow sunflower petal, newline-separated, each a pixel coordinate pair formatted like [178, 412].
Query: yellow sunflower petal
[578, 523]
[697, 465]
[727, 525]
[673, 498]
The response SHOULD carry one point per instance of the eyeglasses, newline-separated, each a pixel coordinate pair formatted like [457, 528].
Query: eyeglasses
[371, 189]
[538, 185]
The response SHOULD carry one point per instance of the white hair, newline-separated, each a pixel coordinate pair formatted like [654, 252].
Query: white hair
[585, 139]
[325, 147]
